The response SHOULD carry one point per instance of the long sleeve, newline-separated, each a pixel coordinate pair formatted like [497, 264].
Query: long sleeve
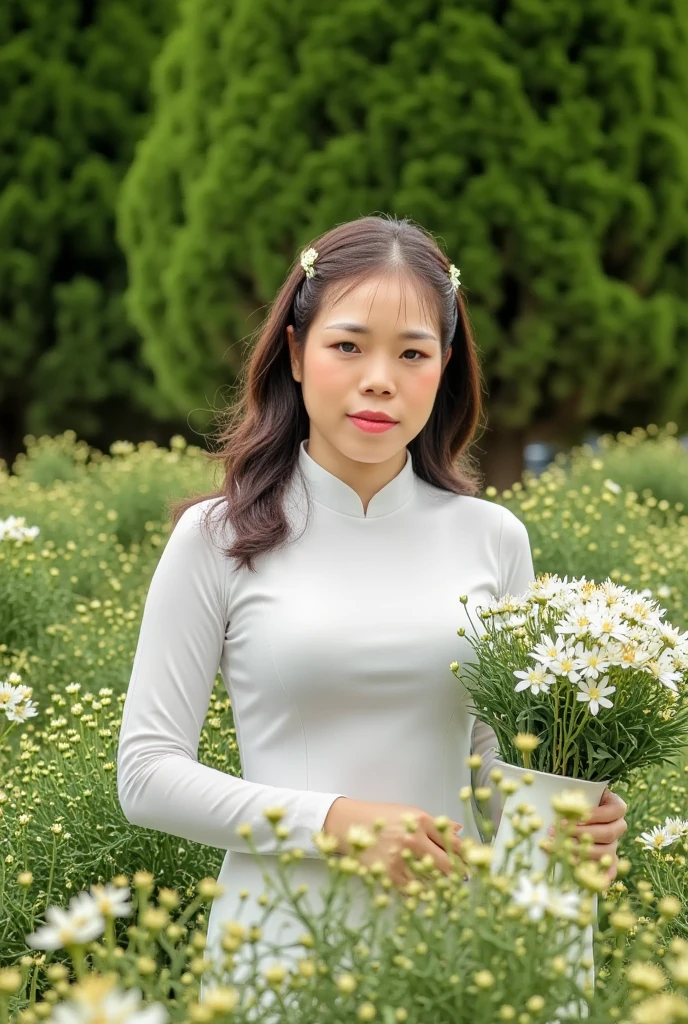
[160, 782]
[515, 573]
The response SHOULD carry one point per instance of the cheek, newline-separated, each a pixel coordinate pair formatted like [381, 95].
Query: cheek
[422, 385]
[324, 376]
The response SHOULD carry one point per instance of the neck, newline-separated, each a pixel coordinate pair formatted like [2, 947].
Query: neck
[365, 478]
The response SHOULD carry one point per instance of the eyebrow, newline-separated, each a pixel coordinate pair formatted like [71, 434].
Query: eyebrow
[413, 333]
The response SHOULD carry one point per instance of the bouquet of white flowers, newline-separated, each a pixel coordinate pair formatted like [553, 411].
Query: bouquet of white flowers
[579, 679]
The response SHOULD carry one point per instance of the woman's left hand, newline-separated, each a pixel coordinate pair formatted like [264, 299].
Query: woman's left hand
[606, 825]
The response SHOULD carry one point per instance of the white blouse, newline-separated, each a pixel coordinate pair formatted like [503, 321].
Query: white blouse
[335, 654]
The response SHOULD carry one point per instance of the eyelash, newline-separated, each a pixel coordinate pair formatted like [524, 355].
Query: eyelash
[421, 354]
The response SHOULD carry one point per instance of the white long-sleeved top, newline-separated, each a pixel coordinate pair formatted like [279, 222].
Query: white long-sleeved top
[335, 654]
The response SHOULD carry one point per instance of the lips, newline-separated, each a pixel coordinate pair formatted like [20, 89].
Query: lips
[373, 426]
[373, 417]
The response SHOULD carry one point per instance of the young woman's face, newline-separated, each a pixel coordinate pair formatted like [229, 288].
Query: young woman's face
[377, 349]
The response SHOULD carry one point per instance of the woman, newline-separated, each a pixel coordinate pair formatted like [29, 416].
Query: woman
[324, 582]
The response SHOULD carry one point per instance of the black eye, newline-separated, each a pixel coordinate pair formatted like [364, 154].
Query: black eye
[415, 350]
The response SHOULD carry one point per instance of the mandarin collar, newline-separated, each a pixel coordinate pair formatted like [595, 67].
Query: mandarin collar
[330, 490]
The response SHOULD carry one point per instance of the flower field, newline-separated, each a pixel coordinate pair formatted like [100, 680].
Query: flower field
[104, 921]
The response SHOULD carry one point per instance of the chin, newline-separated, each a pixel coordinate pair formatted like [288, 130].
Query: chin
[371, 449]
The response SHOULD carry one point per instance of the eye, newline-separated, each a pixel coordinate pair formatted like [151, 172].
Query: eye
[418, 353]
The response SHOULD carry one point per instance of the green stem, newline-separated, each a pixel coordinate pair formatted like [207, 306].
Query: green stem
[76, 952]
[34, 986]
[110, 940]
[52, 873]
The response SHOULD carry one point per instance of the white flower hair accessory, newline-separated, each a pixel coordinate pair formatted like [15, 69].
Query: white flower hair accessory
[454, 276]
[308, 258]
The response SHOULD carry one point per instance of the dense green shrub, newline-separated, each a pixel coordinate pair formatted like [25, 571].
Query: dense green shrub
[545, 142]
[74, 86]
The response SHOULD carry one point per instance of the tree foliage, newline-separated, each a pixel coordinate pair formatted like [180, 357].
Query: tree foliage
[74, 84]
[544, 142]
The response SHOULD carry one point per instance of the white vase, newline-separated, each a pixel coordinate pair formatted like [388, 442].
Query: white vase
[538, 794]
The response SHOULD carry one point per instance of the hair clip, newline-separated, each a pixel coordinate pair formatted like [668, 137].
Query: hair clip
[308, 258]
[454, 276]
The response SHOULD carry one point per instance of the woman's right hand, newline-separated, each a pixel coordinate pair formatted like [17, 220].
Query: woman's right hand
[394, 837]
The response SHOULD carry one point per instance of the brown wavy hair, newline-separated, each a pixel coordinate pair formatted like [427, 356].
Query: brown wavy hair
[260, 434]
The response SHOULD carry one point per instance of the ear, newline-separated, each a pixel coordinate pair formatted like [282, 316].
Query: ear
[293, 354]
[446, 358]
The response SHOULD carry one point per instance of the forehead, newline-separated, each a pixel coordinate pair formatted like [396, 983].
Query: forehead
[382, 298]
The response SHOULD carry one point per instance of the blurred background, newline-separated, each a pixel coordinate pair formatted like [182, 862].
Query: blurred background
[162, 163]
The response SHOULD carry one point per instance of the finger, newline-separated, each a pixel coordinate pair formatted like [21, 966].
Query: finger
[437, 852]
[601, 850]
[604, 833]
[448, 840]
[611, 808]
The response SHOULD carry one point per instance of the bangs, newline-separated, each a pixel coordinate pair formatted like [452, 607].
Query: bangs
[428, 300]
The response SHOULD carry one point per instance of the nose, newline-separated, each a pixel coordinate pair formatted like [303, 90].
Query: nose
[378, 377]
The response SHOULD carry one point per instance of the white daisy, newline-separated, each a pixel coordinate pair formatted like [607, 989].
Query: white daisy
[576, 622]
[565, 905]
[80, 923]
[676, 827]
[663, 669]
[566, 665]
[8, 695]
[111, 900]
[595, 693]
[534, 896]
[96, 1000]
[591, 662]
[605, 624]
[547, 587]
[629, 655]
[20, 712]
[537, 678]
[548, 650]
[22, 691]
[656, 838]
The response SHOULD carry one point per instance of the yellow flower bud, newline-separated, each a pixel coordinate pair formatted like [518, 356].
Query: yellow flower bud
[484, 979]
[155, 919]
[168, 898]
[146, 965]
[480, 856]
[275, 974]
[526, 742]
[646, 976]
[571, 805]
[623, 920]
[346, 983]
[209, 888]
[223, 999]
[670, 906]
[10, 980]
